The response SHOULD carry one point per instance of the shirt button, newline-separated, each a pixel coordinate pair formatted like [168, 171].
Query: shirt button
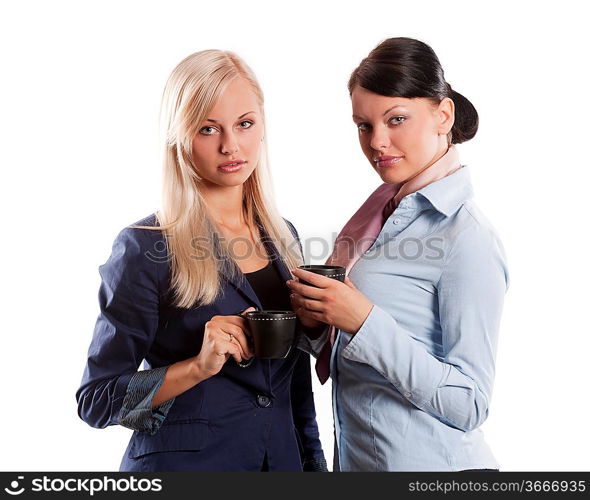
[263, 401]
[396, 221]
[408, 394]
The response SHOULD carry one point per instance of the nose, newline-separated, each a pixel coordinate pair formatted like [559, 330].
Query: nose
[229, 144]
[380, 139]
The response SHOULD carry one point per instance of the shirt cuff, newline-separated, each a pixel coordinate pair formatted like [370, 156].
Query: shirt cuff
[137, 412]
[313, 347]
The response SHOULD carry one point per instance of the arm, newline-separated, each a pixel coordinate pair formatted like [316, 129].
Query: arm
[214, 352]
[455, 388]
[112, 391]
[304, 417]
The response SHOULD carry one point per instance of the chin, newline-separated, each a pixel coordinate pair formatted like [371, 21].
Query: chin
[232, 182]
[392, 176]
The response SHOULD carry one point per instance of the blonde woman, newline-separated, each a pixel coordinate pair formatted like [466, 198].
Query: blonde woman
[174, 283]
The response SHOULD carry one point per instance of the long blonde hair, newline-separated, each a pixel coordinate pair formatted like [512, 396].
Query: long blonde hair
[191, 91]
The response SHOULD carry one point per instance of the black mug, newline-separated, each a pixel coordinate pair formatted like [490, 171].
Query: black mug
[273, 333]
[334, 272]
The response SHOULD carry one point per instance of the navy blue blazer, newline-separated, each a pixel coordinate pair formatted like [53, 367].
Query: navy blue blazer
[228, 422]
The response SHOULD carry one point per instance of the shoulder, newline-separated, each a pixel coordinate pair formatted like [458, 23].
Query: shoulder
[472, 242]
[469, 225]
[141, 236]
[135, 247]
[150, 220]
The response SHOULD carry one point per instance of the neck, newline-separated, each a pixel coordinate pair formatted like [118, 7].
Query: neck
[441, 152]
[225, 205]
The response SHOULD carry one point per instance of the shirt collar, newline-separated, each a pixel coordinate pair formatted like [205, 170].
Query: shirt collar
[448, 194]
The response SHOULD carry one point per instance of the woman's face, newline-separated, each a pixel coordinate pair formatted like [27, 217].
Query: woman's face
[226, 147]
[399, 136]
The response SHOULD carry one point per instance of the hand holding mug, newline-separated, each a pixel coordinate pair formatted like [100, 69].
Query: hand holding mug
[330, 301]
[224, 336]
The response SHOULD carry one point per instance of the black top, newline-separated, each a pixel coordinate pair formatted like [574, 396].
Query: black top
[270, 288]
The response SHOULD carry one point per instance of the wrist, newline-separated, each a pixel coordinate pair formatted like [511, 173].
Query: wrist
[195, 372]
[363, 316]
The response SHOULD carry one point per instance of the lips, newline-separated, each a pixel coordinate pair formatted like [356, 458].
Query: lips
[231, 166]
[387, 161]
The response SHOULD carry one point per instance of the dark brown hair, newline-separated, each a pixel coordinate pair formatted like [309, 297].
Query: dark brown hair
[405, 67]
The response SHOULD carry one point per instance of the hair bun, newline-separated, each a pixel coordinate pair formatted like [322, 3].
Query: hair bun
[466, 118]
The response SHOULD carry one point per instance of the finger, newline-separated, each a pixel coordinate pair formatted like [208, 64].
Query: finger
[234, 319]
[317, 316]
[296, 300]
[239, 336]
[303, 313]
[235, 322]
[301, 303]
[227, 348]
[315, 279]
[236, 351]
[242, 339]
[313, 305]
[305, 290]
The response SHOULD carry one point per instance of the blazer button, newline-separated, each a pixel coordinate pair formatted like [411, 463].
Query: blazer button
[263, 401]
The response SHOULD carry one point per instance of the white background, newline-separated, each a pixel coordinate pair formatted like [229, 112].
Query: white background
[79, 97]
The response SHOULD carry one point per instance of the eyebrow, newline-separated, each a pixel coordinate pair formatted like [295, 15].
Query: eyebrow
[239, 117]
[390, 109]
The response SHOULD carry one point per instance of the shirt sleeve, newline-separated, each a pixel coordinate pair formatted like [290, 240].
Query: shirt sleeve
[456, 387]
[112, 391]
[304, 417]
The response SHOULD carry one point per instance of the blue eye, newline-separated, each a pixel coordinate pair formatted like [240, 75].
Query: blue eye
[208, 130]
[246, 124]
[396, 120]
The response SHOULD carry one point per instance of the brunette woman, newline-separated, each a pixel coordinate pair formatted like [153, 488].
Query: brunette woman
[412, 348]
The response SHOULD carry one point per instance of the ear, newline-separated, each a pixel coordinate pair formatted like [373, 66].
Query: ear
[446, 116]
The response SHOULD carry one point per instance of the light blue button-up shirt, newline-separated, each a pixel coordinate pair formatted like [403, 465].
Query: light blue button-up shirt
[412, 387]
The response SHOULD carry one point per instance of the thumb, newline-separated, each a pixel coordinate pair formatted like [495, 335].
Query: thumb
[250, 309]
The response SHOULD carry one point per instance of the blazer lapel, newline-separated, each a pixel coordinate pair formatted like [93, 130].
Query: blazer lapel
[275, 256]
[241, 284]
